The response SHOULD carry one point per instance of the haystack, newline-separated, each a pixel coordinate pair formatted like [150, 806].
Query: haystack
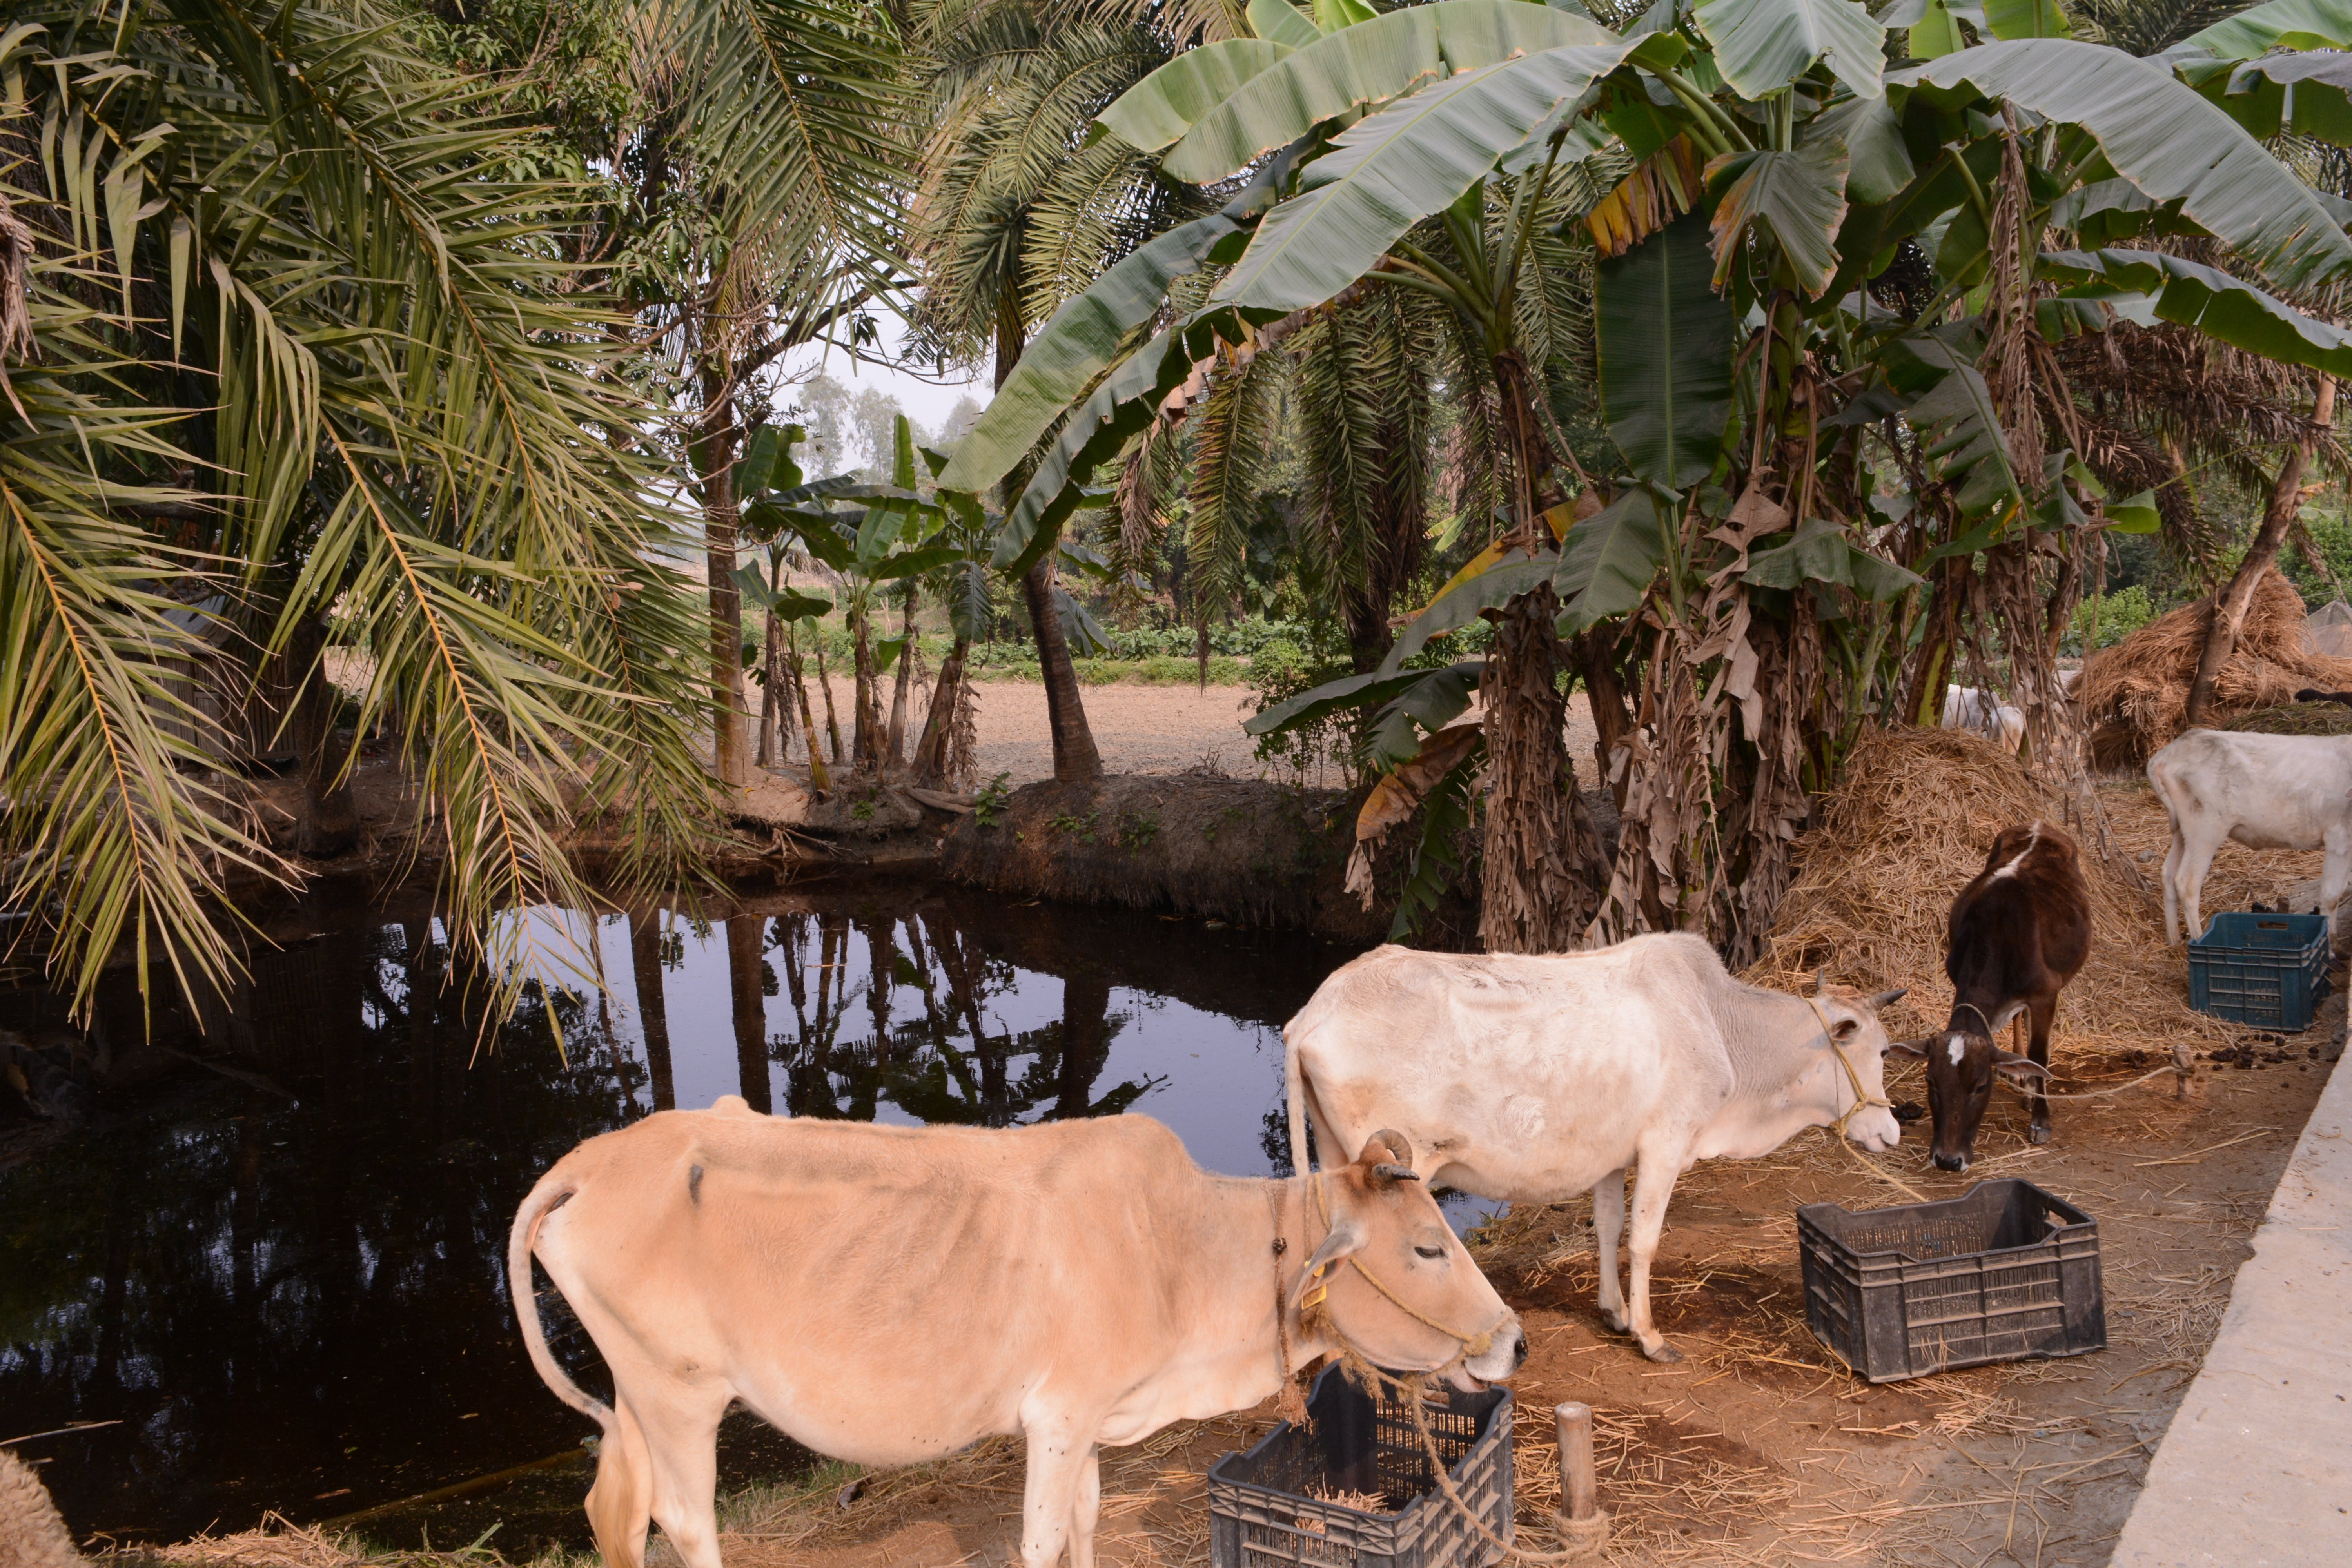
[1909, 826]
[2136, 694]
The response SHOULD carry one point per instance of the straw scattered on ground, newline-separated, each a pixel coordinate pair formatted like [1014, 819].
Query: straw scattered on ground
[2136, 694]
[1910, 824]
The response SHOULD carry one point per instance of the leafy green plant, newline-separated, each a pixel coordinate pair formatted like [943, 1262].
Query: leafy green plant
[988, 806]
[1826, 293]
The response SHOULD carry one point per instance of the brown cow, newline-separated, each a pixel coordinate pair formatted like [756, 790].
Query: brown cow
[891, 1294]
[2018, 934]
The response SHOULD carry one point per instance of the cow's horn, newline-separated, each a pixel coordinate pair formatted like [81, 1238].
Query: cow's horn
[1398, 1149]
[1388, 1173]
[1821, 981]
[1888, 998]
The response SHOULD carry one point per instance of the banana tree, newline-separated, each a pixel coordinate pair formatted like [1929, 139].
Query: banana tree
[873, 536]
[1774, 399]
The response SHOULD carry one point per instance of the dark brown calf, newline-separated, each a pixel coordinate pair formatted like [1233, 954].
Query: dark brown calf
[2018, 933]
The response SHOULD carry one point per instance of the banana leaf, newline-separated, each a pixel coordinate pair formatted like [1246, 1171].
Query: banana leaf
[1395, 168]
[1368, 63]
[2212, 301]
[1762, 45]
[1664, 341]
[2158, 134]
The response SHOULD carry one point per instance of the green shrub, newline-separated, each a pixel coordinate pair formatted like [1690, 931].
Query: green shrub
[2114, 615]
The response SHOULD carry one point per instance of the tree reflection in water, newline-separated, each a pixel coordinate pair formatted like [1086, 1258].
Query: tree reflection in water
[275, 1253]
[947, 1065]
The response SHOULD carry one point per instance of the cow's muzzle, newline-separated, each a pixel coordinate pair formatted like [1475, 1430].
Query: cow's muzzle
[1952, 1161]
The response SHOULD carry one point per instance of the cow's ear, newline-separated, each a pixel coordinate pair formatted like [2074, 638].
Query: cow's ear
[1346, 1236]
[1915, 1049]
[2024, 1072]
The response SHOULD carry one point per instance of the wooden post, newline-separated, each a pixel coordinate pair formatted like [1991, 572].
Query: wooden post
[1576, 1498]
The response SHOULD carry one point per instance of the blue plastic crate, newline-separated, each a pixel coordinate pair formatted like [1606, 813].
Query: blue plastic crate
[2269, 970]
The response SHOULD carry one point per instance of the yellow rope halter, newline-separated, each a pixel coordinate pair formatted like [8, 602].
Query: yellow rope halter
[1472, 1344]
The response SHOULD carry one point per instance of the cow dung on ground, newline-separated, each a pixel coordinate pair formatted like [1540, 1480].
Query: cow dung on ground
[2136, 694]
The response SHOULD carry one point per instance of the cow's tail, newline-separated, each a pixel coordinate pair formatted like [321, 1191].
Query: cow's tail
[1294, 1086]
[555, 1190]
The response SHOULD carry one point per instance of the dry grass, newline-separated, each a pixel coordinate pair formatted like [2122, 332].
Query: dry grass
[2136, 694]
[1909, 826]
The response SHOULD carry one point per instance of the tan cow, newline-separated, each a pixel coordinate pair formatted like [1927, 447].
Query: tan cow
[887, 1295]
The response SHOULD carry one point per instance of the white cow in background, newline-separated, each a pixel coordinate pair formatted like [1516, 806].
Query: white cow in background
[1971, 708]
[1538, 1077]
[2267, 791]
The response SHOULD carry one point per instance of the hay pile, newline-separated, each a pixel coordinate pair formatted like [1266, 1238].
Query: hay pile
[2136, 694]
[2296, 719]
[1908, 827]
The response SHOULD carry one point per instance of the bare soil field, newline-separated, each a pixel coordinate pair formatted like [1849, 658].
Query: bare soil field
[1154, 730]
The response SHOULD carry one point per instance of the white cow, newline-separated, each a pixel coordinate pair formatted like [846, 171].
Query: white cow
[2267, 791]
[1970, 707]
[1536, 1079]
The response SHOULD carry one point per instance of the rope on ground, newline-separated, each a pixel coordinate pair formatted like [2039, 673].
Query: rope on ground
[2103, 1093]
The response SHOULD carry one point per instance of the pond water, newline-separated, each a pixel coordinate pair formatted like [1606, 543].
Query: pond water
[271, 1253]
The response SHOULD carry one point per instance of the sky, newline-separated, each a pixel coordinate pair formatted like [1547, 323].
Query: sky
[927, 403]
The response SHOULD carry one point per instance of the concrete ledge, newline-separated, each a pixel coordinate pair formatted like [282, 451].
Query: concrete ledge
[2255, 1470]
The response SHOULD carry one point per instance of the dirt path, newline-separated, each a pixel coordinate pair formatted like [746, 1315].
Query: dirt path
[1759, 1448]
[1144, 729]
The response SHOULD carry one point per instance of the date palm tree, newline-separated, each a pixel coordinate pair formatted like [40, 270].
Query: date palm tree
[286, 331]
[1017, 211]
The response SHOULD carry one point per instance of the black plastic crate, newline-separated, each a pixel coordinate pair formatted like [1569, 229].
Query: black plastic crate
[2269, 970]
[1260, 1515]
[2006, 1273]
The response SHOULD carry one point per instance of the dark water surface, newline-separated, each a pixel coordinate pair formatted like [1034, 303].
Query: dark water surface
[272, 1252]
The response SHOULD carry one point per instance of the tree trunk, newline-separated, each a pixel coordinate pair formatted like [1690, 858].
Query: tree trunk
[746, 936]
[1606, 695]
[1369, 639]
[1075, 760]
[1541, 855]
[770, 662]
[2229, 607]
[931, 751]
[1531, 454]
[331, 821]
[653, 1008]
[1075, 757]
[866, 740]
[713, 450]
[817, 779]
[831, 725]
[897, 741]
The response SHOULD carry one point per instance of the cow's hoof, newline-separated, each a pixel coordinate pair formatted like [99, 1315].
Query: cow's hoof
[1617, 1321]
[1662, 1353]
[2037, 1135]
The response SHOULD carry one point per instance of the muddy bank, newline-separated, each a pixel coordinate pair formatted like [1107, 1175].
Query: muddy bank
[1244, 850]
